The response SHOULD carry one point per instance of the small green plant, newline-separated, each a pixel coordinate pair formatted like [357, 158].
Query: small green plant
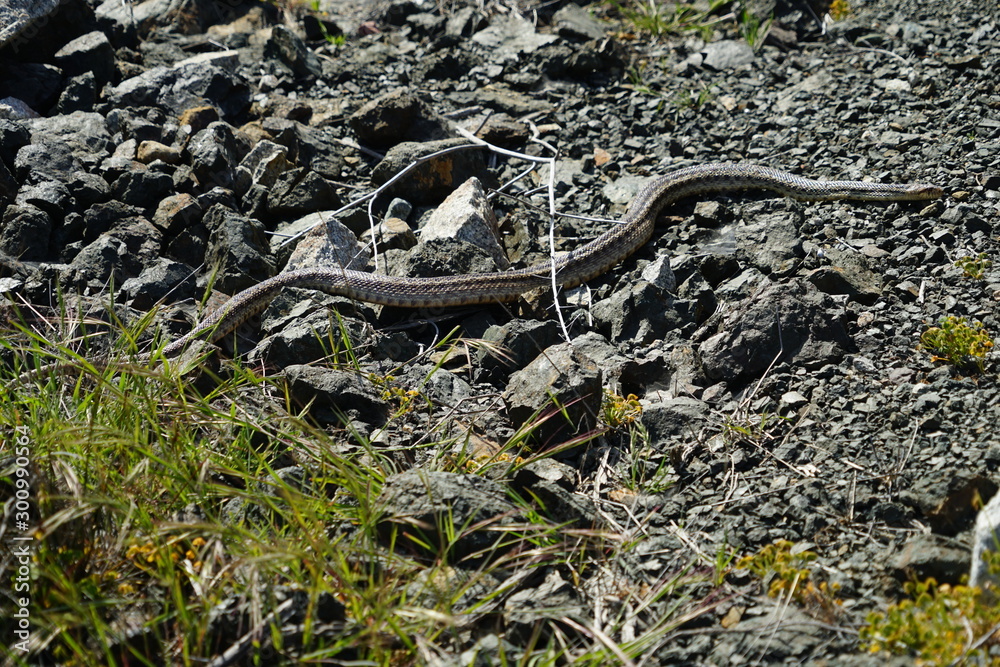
[958, 343]
[693, 99]
[657, 19]
[974, 267]
[939, 624]
[620, 410]
[787, 576]
[839, 9]
[752, 29]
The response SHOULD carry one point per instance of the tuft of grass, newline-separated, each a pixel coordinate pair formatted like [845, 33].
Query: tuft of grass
[957, 342]
[658, 19]
[694, 98]
[752, 29]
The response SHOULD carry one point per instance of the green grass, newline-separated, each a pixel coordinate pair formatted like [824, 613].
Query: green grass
[159, 501]
[657, 19]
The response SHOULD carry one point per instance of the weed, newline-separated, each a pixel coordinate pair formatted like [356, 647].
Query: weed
[958, 343]
[787, 576]
[752, 29]
[620, 411]
[839, 9]
[937, 623]
[694, 99]
[754, 429]
[974, 267]
[658, 19]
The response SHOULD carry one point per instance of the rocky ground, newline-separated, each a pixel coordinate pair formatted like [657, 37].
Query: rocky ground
[773, 346]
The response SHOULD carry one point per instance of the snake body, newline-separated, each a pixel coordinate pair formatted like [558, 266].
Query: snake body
[571, 269]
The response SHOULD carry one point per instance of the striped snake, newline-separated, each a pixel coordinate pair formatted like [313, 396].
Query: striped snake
[571, 269]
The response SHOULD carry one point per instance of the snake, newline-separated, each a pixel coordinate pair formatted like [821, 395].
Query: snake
[570, 269]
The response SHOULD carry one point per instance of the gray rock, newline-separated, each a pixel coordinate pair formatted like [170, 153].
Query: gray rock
[562, 384]
[397, 116]
[333, 396]
[141, 186]
[923, 556]
[91, 53]
[299, 191]
[83, 133]
[728, 54]
[641, 313]
[309, 330]
[466, 215]
[576, 23]
[391, 234]
[434, 179]
[985, 538]
[177, 89]
[117, 255]
[516, 343]
[51, 196]
[292, 51]
[553, 600]
[771, 242]
[665, 419]
[850, 273]
[17, 16]
[946, 501]
[162, 278]
[36, 84]
[25, 232]
[437, 258]
[215, 152]
[509, 37]
[265, 162]
[238, 247]
[12, 108]
[79, 94]
[328, 243]
[792, 319]
[659, 273]
[177, 212]
[142, 15]
[422, 502]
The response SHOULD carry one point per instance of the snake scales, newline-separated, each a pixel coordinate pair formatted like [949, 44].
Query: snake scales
[571, 269]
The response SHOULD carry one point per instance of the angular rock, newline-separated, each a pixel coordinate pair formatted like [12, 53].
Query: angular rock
[792, 319]
[90, 53]
[516, 344]
[562, 384]
[25, 232]
[291, 50]
[665, 419]
[161, 278]
[466, 215]
[943, 558]
[328, 244]
[641, 313]
[333, 396]
[238, 247]
[434, 179]
[17, 16]
[728, 54]
[395, 117]
[432, 505]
